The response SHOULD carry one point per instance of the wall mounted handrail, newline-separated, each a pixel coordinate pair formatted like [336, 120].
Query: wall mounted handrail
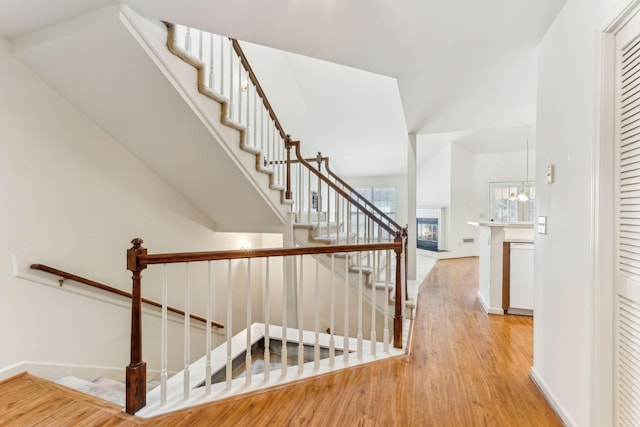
[120, 292]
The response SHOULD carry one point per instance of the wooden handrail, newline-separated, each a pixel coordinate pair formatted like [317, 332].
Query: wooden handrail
[339, 190]
[107, 288]
[145, 259]
[254, 80]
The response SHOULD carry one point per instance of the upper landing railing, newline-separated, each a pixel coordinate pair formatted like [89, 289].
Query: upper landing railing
[277, 267]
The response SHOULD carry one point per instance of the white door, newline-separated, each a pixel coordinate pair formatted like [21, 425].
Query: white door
[627, 239]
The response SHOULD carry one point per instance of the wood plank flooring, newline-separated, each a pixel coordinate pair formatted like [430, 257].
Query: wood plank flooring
[464, 368]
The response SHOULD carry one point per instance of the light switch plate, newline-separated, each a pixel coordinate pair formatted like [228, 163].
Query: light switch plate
[542, 225]
[550, 174]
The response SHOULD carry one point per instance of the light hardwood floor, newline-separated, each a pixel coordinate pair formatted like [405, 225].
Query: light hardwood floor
[465, 368]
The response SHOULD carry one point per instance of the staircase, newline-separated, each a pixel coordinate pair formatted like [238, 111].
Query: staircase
[181, 138]
[215, 127]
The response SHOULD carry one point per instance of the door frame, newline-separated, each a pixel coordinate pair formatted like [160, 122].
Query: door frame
[603, 393]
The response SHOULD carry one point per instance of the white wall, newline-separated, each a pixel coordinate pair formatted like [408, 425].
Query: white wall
[462, 207]
[433, 178]
[563, 277]
[73, 198]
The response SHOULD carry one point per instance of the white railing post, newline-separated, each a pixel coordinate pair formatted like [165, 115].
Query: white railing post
[208, 330]
[187, 334]
[267, 352]
[374, 309]
[212, 76]
[332, 343]
[163, 341]
[316, 348]
[387, 276]
[345, 343]
[248, 358]
[228, 326]
[301, 317]
[360, 335]
[285, 300]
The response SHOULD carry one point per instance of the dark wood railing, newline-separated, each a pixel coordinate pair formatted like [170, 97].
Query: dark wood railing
[138, 259]
[116, 291]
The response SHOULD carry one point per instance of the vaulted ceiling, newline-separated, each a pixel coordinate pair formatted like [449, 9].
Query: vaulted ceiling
[459, 65]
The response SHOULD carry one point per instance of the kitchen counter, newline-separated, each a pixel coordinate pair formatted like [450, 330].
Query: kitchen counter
[494, 269]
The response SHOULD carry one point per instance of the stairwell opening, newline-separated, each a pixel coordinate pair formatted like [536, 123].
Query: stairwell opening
[239, 368]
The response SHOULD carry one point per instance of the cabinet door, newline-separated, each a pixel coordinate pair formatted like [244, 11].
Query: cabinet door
[521, 276]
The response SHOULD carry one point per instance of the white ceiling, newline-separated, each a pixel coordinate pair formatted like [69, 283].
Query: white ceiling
[460, 65]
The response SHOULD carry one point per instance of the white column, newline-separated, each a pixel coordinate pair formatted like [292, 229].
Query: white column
[411, 206]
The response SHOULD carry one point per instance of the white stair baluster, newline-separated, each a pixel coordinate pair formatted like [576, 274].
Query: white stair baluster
[231, 85]
[163, 341]
[374, 310]
[347, 212]
[208, 331]
[318, 204]
[212, 79]
[262, 143]
[228, 326]
[255, 120]
[241, 91]
[338, 219]
[300, 317]
[187, 333]
[221, 68]
[360, 336]
[328, 211]
[248, 357]
[358, 225]
[200, 53]
[345, 344]
[248, 112]
[316, 347]
[309, 201]
[187, 40]
[267, 352]
[332, 325]
[284, 316]
[387, 274]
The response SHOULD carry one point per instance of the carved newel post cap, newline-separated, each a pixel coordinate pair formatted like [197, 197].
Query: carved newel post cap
[137, 243]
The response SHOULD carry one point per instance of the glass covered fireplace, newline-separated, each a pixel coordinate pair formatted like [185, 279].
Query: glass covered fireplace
[427, 233]
[430, 227]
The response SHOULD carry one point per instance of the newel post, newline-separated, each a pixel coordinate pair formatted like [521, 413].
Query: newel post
[136, 381]
[287, 144]
[397, 318]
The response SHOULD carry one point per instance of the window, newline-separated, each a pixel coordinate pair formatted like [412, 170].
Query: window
[383, 198]
[505, 207]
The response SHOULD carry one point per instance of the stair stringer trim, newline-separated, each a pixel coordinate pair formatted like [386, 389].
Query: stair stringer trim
[224, 111]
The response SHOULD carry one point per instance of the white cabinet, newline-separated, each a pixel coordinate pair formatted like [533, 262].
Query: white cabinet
[521, 278]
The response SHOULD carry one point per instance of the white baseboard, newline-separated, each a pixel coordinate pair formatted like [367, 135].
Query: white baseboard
[487, 308]
[12, 370]
[52, 371]
[551, 399]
